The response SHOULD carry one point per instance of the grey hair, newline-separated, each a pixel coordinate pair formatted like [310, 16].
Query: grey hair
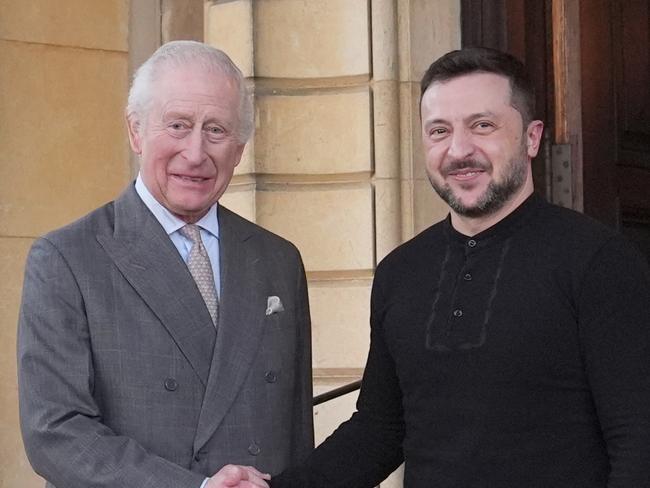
[182, 53]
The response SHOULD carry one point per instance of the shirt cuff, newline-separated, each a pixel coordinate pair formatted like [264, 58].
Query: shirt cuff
[204, 482]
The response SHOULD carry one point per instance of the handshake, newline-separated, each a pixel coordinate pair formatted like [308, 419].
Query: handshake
[233, 476]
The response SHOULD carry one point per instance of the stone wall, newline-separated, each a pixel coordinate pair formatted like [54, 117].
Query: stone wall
[63, 73]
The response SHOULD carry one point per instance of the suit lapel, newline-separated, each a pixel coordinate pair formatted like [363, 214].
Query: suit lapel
[148, 260]
[241, 313]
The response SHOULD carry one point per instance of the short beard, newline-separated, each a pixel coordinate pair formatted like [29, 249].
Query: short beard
[496, 195]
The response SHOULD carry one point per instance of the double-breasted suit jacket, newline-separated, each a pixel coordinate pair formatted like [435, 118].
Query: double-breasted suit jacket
[123, 379]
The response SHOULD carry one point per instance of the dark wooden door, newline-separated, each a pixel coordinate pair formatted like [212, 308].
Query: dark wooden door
[615, 72]
[614, 95]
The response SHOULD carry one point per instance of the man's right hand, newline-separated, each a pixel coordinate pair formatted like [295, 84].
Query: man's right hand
[232, 476]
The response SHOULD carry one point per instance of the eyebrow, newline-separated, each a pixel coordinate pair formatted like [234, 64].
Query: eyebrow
[180, 114]
[469, 118]
[480, 115]
[176, 114]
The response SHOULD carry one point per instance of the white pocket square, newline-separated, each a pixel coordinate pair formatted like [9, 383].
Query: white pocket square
[273, 305]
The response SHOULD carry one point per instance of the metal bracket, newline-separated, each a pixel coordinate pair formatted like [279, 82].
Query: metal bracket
[562, 178]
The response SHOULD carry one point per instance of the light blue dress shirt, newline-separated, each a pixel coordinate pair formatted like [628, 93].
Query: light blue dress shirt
[209, 225]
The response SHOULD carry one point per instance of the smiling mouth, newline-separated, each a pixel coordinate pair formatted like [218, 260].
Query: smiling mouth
[466, 173]
[193, 179]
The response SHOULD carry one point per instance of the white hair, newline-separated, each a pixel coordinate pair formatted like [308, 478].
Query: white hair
[182, 53]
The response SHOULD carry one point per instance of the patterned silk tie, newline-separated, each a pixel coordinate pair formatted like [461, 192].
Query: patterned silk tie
[200, 268]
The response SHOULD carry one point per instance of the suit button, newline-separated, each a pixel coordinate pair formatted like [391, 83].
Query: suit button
[171, 384]
[271, 376]
[200, 455]
[254, 449]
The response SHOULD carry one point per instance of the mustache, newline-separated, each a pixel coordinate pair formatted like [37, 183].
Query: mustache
[460, 164]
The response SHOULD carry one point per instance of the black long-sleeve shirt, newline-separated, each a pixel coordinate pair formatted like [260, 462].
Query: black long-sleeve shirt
[516, 357]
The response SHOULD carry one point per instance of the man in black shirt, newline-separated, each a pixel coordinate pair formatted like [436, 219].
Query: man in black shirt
[510, 343]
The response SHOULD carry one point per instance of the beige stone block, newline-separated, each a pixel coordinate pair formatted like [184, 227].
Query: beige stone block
[64, 145]
[395, 480]
[331, 225]
[247, 164]
[324, 133]
[329, 415]
[340, 314]
[240, 200]
[14, 468]
[406, 207]
[388, 217]
[229, 27]
[386, 107]
[181, 19]
[144, 31]
[427, 30]
[412, 151]
[91, 24]
[385, 65]
[13, 252]
[311, 39]
[428, 207]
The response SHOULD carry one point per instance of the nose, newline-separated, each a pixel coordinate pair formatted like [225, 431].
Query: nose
[460, 144]
[194, 152]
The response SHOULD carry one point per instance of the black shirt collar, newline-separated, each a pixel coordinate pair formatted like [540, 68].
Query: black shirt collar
[499, 231]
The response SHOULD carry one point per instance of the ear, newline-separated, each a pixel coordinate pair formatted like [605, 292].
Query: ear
[134, 127]
[534, 137]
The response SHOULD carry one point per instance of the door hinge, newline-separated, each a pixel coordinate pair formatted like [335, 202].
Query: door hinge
[561, 175]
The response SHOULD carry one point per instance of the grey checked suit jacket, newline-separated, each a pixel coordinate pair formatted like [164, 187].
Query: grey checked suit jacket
[123, 381]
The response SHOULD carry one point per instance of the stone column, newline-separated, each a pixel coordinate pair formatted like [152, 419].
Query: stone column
[181, 20]
[336, 163]
[386, 111]
[314, 163]
[229, 27]
[427, 30]
[309, 174]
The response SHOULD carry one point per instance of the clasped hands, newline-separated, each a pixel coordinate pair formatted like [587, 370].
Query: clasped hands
[233, 476]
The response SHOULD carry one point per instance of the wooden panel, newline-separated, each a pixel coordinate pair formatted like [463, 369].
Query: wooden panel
[598, 111]
[632, 42]
[483, 23]
[567, 89]
[615, 35]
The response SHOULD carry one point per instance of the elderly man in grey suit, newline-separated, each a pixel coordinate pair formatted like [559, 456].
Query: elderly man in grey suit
[162, 337]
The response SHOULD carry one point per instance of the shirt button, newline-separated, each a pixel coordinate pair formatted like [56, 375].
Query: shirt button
[467, 277]
[254, 449]
[271, 376]
[458, 312]
[171, 384]
[471, 243]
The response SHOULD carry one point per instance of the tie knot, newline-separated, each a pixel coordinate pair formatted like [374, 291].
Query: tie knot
[192, 232]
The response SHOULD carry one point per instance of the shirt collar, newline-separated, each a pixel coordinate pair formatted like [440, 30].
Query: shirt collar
[502, 229]
[168, 220]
